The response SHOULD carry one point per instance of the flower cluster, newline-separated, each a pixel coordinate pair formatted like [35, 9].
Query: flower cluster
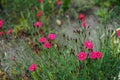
[45, 40]
[95, 55]
[92, 55]
[83, 20]
[2, 32]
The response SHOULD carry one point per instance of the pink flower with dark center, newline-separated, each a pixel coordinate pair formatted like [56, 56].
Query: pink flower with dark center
[81, 16]
[9, 31]
[51, 36]
[39, 14]
[37, 24]
[1, 23]
[47, 45]
[42, 40]
[1, 33]
[92, 55]
[32, 67]
[98, 55]
[82, 56]
[88, 44]
[118, 33]
[59, 2]
[40, 1]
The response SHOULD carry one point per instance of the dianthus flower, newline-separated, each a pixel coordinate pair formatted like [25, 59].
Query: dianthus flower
[1, 23]
[9, 31]
[47, 45]
[82, 56]
[42, 40]
[32, 67]
[51, 36]
[95, 55]
[98, 55]
[81, 16]
[39, 14]
[40, 1]
[92, 55]
[37, 24]
[83, 24]
[59, 2]
[88, 44]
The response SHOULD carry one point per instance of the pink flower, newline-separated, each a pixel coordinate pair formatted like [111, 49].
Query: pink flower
[1, 23]
[95, 55]
[83, 24]
[42, 40]
[51, 36]
[59, 2]
[92, 55]
[40, 1]
[32, 67]
[38, 24]
[88, 44]
[82, 56]
[9, 31]
[1, 33]
[81, 16]
[47, 45]
[98, 55]
[118, 33]
[39, 14]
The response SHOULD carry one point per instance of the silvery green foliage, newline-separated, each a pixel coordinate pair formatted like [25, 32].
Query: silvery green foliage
[14, 56]
[82, 5]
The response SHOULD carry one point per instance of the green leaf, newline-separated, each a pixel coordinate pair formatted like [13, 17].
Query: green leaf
[35, 76]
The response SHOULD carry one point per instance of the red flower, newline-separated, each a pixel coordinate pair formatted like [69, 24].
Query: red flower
[40, 1]
[42, 40]
[93, 55]
[39, 14]
[51, 36]
[1, 23]
[59, 2]
[32, 67]
[47, 45]
[82, 56]
[1, 33]
[37, 24]
[83, 24]
[9, 31]
[81, 16]
[118, 33]
[98, 55]
[88, 44]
